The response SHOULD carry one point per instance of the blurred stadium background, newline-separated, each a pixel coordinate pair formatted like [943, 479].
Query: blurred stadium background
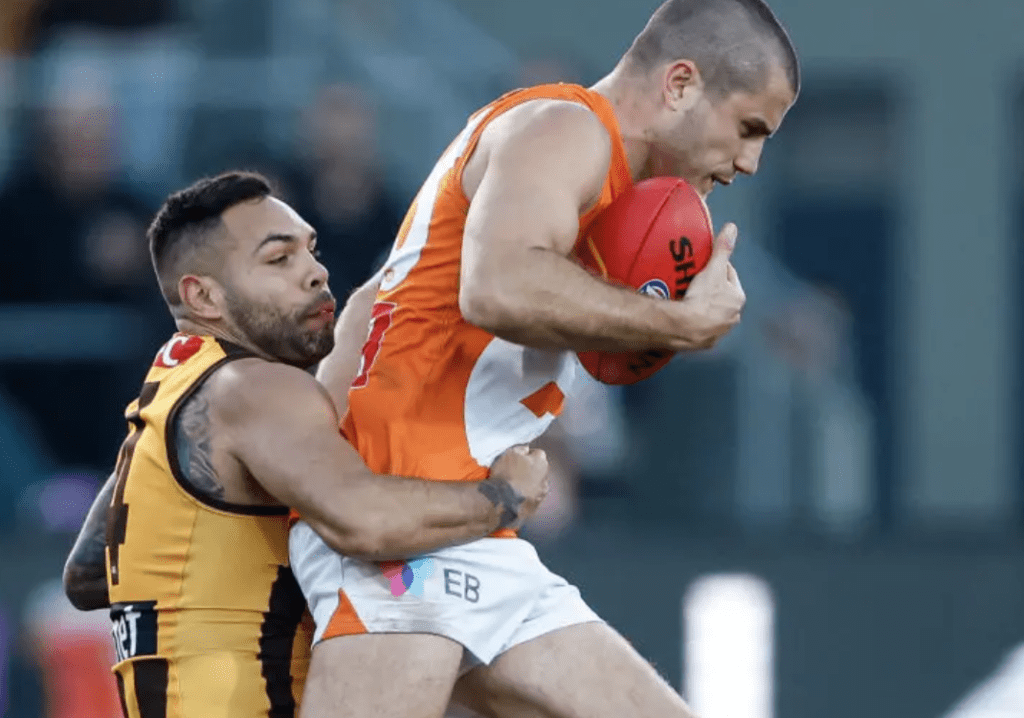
[822, 517]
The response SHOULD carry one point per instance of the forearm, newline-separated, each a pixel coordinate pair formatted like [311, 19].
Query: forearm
[339, 368]
[281, 427]
[389, 517]
[556, 304]
[85, 572]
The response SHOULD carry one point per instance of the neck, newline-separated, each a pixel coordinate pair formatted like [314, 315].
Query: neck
[625, 92]
[202, 327]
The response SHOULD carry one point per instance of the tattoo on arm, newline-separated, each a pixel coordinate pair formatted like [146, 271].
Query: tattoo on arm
[500, 493]
[85, 573]
[193, 439]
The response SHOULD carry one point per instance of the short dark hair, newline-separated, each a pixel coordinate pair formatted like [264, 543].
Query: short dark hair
[733, 42]
[188, 218]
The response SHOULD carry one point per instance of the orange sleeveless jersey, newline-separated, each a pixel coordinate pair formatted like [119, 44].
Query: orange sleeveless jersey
[436, 397]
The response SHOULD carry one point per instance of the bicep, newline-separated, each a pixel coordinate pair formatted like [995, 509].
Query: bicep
[293, 448]
[280, 424]
[539, 178]
[507, 220]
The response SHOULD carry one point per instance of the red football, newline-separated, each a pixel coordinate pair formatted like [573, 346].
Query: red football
[653, 238]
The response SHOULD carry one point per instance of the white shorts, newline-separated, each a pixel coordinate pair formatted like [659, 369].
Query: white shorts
[488, 595]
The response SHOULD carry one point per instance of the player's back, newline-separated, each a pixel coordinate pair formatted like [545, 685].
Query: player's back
[435, 396]
[208, 619]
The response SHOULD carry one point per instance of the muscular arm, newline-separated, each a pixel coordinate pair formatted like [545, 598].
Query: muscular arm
[544, 167]
[340, 367]
[281, 425]
[85, 572]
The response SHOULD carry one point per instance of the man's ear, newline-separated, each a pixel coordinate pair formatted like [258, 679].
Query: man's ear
[682, 85]
[201, 296]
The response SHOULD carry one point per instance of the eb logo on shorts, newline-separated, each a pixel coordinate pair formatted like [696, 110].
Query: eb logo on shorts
[407, 576]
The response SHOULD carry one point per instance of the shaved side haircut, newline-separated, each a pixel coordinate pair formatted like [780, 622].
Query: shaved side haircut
[735, 43]
[184, 228]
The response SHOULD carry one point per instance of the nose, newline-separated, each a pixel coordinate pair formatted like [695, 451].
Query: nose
[317, 278]
[749, 158]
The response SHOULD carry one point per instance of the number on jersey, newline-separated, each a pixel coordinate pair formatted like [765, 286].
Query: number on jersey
[380, 320]
[117, 512]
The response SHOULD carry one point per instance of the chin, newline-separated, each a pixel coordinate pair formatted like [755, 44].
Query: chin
[320, 349]
[304, 353]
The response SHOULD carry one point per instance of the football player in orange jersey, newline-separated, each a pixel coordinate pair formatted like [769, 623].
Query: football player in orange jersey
[187, 542]
[470, 350]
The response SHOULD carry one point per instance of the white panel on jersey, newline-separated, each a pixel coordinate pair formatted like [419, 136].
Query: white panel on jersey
[402, 260]
[502, 377]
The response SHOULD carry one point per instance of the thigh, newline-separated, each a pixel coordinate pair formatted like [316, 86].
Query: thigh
[384, 675]
[587, 670]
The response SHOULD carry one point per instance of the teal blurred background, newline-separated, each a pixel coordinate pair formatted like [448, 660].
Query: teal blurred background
[844, 473]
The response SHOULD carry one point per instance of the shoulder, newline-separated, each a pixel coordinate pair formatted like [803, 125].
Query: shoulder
[572, 124]
[252, 387]
[552, 145]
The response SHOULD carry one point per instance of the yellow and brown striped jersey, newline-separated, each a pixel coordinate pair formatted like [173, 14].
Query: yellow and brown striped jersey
[207, 617]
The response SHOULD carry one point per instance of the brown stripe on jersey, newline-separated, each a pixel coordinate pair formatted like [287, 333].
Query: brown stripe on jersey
[151, 687]
[117, 512]
[235, 351]
[120, 694]
[277, 636]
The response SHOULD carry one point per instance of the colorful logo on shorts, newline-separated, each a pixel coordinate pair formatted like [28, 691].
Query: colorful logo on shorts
[654, 288]
[408, 575]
